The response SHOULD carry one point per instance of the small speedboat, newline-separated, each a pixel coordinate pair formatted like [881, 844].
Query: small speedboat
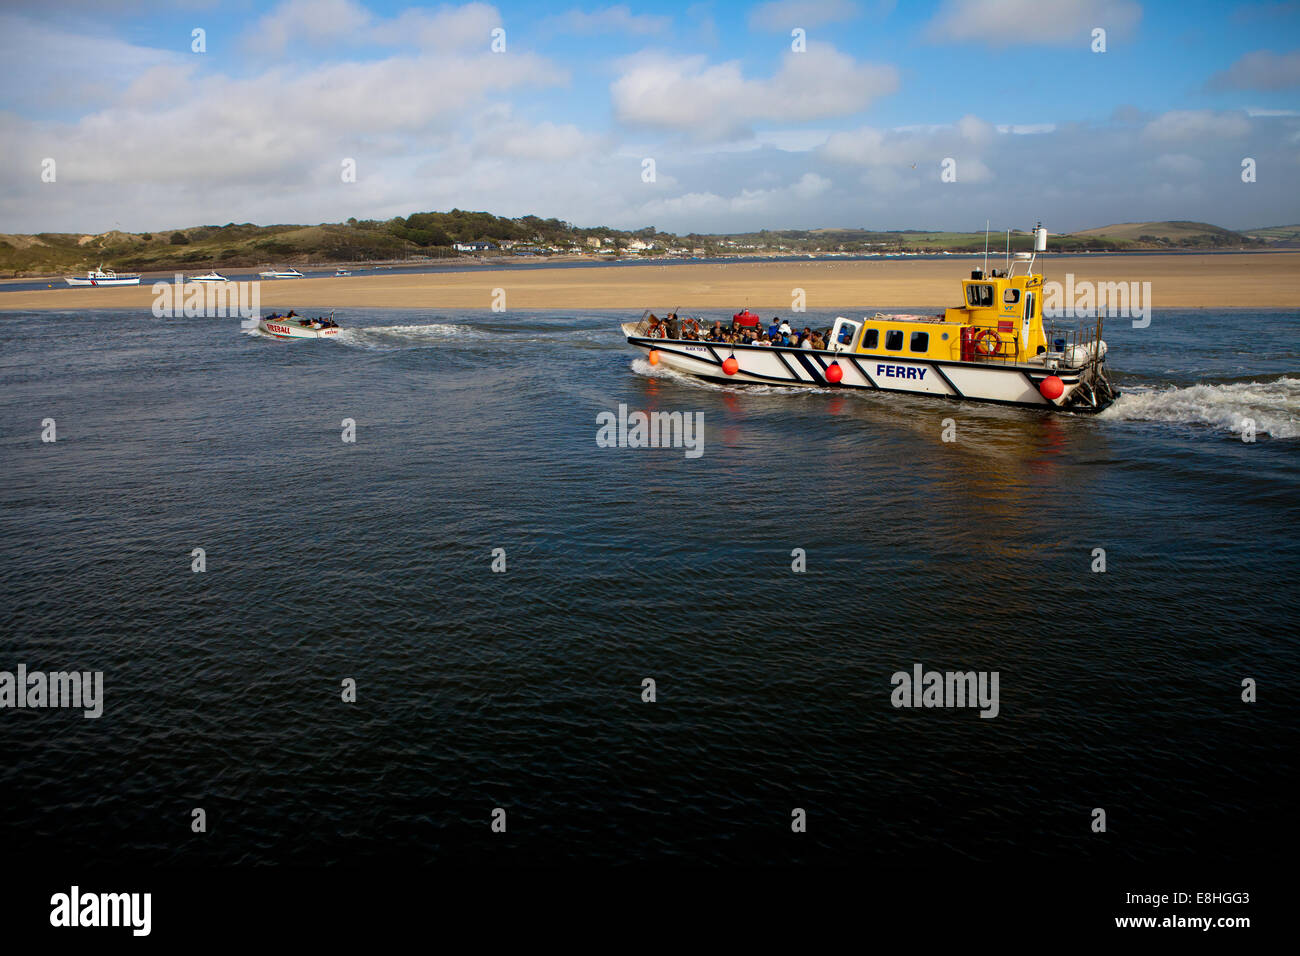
[281, 274]
[209, 277]
[342, 272]
[294, 326]
[102, 276]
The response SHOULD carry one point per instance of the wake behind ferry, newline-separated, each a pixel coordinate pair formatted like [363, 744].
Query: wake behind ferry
[992, 348]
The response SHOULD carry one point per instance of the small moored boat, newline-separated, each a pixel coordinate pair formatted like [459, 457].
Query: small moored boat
[294, 326]
[992, 348]
[209, 277]
[281, 274]
[102, 276]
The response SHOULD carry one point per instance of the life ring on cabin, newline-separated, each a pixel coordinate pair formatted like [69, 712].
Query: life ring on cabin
[984, 336]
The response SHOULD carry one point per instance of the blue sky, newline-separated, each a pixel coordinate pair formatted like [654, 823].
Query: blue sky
[744, 131]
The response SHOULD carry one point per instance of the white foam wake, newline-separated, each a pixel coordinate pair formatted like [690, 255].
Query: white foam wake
[1274, 407]
[393, 337]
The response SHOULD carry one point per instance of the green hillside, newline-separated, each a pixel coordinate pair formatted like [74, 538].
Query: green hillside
[1275, 233]
[432, 235]
[1179, 234]
[423, 235]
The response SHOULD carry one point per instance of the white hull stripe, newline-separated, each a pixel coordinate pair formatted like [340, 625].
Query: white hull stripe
[808, 367]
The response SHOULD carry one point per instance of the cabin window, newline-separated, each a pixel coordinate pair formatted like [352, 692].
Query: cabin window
[894, 340]
[920, 342]
[1011, 296]
[979, 294]
[872, 339]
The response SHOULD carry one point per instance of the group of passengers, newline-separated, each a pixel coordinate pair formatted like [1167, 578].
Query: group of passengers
[745, 329]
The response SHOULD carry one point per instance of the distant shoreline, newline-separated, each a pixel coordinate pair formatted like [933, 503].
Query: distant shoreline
[1268, 279]
[498, 263]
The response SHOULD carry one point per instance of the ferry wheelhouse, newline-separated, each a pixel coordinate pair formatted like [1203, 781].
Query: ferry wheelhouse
[991, 348]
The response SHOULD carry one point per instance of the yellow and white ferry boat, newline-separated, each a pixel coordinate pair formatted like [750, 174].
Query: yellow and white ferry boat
[991, 348]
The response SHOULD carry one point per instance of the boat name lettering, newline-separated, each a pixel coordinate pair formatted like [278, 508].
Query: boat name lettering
[901, 371]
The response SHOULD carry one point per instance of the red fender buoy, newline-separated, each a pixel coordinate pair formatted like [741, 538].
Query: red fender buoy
[653, 356]
[730, 365]
[834, 373]
[1051, 388]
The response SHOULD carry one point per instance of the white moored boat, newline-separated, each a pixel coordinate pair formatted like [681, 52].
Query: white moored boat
[102, 276]
[992, 348]
[294, 326]
[281, 274]
[209, 277]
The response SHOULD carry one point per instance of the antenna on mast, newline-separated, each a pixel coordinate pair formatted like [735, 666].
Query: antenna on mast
[986, 247]
[1008, 249]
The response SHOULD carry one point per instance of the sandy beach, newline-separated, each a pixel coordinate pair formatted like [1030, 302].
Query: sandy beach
[1259, 280]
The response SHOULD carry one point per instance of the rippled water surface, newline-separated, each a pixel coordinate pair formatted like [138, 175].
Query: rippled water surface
[522, 690]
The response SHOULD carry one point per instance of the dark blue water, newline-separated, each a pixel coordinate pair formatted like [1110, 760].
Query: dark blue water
[521, 690]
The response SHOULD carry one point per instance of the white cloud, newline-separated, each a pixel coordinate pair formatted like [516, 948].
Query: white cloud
[1027, 129]
[718, 101]
[322, 22]
[927, 147]
[1260, 70]
[1196, 125]
[781, 16]
[810, 186]
[1178, 164]
[546, 142]
[617, 19]
[1003, 23]
[320, 116]
[311, 20]
[780, 200]
[57, 69]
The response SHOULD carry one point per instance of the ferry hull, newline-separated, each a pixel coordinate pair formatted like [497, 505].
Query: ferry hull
[1003, 384]
[102, 282]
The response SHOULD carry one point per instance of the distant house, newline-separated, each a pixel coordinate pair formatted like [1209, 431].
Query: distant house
[473, 246]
